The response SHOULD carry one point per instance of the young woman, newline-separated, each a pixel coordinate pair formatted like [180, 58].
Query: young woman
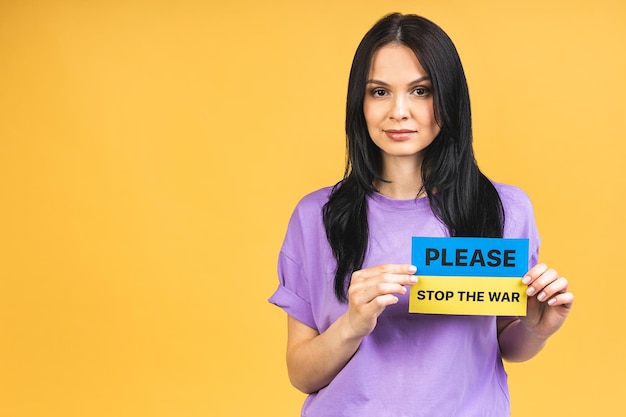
[352, 344]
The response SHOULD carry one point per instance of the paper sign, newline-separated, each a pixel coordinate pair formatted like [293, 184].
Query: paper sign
[475, 276]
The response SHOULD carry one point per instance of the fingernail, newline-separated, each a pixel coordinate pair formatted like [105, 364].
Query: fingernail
[526, 279]
[552, 301]
[541, 296]
[413, 279]
[530, 291]
[412, 268]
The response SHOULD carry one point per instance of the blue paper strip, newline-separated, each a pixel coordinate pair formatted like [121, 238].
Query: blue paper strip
[470, 256]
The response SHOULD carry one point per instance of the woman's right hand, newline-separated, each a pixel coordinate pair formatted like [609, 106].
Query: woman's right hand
[314, 359]
[372, 290]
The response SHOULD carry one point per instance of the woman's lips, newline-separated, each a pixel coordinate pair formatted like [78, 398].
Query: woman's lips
[399, 134]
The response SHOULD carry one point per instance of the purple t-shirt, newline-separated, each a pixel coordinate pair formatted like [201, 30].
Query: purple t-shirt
[411, 364]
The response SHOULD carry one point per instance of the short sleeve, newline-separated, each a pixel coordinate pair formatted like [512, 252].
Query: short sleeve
[301, 261]
[292, 292]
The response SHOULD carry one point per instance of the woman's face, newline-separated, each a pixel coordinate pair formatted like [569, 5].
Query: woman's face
[398, 104]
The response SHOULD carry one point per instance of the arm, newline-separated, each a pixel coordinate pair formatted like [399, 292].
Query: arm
[549, 304]
[314, 359]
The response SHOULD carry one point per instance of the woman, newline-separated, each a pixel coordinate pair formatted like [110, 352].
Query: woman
[352, 345]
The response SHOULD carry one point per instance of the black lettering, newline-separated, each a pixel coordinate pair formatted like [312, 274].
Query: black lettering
[449, 295]
[444, 262]
[493, 255]
[504, 297]
[461, 257]
[472, 295]
[494, 258]
[509, 257]
[494, 296]
[431, 255]
[477, 257]
[421, 295]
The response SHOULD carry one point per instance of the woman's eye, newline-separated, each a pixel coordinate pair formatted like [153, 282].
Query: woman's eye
[379, 92]
[421, 91]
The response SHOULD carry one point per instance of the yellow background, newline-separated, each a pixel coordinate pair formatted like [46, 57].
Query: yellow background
[151, 153]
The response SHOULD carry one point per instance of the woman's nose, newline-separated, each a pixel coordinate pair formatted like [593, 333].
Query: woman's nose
[399, 111]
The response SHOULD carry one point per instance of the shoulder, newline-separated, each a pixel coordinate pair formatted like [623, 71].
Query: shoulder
[305, 229]
[308, 211]
[519, 217]
[513, 198]
[313, 202]
[317, 197]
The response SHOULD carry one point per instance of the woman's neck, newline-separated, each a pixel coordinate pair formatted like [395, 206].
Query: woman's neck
[405, 179]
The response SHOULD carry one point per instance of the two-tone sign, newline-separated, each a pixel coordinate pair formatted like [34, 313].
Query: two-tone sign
[475, 276]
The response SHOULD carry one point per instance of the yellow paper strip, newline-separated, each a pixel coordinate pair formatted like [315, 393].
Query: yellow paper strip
[488, 296]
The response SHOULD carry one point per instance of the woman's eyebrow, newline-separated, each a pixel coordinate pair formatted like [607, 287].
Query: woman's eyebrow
[384, 84]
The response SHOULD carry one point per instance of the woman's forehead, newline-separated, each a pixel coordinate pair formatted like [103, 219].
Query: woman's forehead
[395, 62]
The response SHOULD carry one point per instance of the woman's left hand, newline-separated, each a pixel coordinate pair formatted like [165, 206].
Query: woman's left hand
[549, 301]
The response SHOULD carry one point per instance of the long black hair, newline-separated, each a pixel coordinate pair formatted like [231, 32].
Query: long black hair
[459, 194]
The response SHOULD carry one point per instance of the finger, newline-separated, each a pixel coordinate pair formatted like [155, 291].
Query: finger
[378, 283]
[389, 288]
[398, 273]
[374, 307]
[565, 299]
[400, 279]
[542, 281]
[534, 273]
[557, 286]
[401, 269]
[368, 291]
[383, 301]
